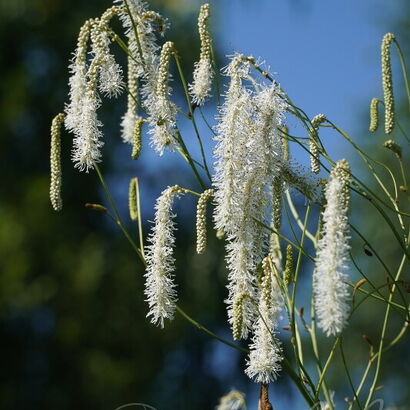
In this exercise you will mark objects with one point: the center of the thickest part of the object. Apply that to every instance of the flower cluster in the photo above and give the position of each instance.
(253, 171)
(201, 220)
(162, 110)
(265, 350)
(331, 293)
(387, 83)
(249, 156)
(314, 141)
(159, 286)
(55, 162)
(374, 115)
(201, 86)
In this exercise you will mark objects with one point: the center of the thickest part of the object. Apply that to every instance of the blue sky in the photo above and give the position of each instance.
(326, 53)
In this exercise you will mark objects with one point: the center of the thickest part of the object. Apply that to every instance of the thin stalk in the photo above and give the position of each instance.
(299, 248)
(117, 214)
(139, 223)
(191, 112)
(296, 216)
(217, 76)
(374, 357)
(295, 330)
(206, 121)
(319, 367)
(403, 174)
(403, 67)
(355, 393)
(286, 365)
(190, 161)
(375, 289)
(326, 366)
(134, 27)
(383, 334)
(208, 332)
(390, 274)
(371, 294)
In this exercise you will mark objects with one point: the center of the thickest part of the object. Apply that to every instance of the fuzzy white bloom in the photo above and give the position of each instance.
(163, 125)
(200, 88)
(78, 79)
(331, 293)
(265, 354)
(141, 26)
(241, 263)
(234, 400)
(81, 112)
(162, 110)
(237, 199)
(130, 118)
(128, 123)
(265, 152)
(159, 286)
(87, 141)
(232, 136)
(111, 82)
(248, 157)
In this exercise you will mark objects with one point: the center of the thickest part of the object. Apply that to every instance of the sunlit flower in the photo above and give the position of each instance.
(266, 354)
(331, 293)
(200, 88)
(159, 286)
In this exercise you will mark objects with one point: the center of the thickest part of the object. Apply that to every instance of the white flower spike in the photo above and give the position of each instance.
(159, 286)
(331, 293)
(200, 88)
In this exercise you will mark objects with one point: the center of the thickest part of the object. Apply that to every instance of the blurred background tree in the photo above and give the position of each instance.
(73, 328)
(72, 316)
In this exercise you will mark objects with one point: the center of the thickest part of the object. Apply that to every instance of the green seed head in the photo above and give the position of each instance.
(387, 83)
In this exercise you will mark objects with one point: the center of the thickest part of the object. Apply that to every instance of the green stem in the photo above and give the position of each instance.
(286, 365)
(326, 366)
(355, 393)
(134, 27)
(117, 214)
(139, 223)
(208, 332)
(217, 77)
(313, 338)
(383, 334)
(191, 112)
(190, 161)
(403, 67)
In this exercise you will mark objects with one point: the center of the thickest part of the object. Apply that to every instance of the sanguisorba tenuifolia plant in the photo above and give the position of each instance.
(254, 178)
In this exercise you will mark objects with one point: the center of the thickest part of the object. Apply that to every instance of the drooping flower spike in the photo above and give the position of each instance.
(55, 162)
(263, 365)
(201, 220)
(162, 110)
(314, 143)
(159, 285)
(331, 293)
(374, 115)
(387, 83)
(200, 88)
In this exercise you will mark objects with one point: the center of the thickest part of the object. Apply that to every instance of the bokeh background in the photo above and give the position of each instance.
(73, 332)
